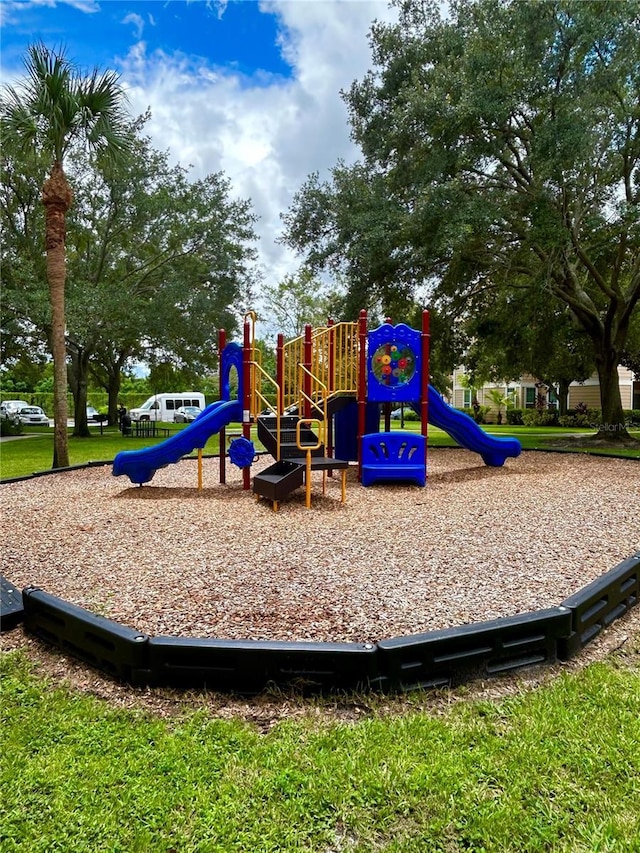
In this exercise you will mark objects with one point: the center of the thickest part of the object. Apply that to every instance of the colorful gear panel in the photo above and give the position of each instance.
(394, 364)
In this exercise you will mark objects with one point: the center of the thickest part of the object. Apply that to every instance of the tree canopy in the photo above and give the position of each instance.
(298, 300)
(156, 264)
(500, 150)
(56, 106)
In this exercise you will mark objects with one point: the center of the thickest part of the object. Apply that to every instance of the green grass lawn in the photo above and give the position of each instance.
(555, 769)
(28, 455)
(25, 456)
(551, 770)
(531, 438)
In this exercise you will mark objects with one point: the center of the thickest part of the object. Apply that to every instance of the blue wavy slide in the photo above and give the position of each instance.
(467, 433)
(140, 465)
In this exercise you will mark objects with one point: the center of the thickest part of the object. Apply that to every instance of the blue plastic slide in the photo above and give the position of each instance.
(467, 433)
(141, 465)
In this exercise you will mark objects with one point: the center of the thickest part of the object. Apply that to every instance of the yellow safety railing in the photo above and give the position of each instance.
(293, 354)
(334, 362)
(308, 447)
(258, 375)
(333, 369)
(319, 398)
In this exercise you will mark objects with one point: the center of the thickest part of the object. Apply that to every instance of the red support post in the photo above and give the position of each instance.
(362, 385)
(386, 408)
(280, 373)
(331, 383)
(246, 398)
(332, 356)
(222, 342)
(424, 391)
(308, 347)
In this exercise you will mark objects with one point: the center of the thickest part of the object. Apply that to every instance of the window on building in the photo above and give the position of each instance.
(530, 398)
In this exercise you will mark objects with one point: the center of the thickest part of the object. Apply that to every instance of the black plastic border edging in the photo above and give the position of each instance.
(11, 605)
(599, 603)
(458, 654)
(79, 467)
(436, 658)
(102, 643)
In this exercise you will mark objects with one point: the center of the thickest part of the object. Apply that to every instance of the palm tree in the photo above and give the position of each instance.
(499, 398)
(53, 108)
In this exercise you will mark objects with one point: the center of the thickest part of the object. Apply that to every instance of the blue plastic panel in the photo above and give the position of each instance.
(394, 364)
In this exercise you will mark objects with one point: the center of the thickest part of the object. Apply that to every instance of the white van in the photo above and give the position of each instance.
(161, 407)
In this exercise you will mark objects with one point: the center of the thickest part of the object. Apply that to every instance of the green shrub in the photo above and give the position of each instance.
(466, 412)
(540, 417)
(514, 417)
(8, 427)
(581, 417)
(411, 415)
(573, 420)
(478, 415)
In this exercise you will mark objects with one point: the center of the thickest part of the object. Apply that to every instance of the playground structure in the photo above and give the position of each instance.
(332, 375)
(323, 409)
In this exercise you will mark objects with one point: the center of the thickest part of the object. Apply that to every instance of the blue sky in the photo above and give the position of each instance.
(238, 35)
(249, 88)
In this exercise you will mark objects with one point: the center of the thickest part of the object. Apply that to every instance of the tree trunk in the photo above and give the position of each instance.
(79, 375)
(113, 388)
(56, 198)
(109, 376)
(613, 425)
(114, 397)
(563, 396)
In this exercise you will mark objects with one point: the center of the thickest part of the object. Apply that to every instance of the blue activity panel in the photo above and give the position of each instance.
(394, 366)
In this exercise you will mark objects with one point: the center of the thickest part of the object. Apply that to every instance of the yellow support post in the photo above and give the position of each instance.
(308, 481)
(309, 447)
(199, 469)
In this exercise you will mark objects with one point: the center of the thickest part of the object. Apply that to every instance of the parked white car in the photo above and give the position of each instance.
(33, 416)
(186, 414)
(10, 410)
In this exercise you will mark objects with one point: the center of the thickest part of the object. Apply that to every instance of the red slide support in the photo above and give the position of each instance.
(424, 385)
(362, 385)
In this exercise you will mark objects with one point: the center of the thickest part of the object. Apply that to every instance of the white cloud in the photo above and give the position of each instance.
(265, 134)
(137, 21)
(88, 6)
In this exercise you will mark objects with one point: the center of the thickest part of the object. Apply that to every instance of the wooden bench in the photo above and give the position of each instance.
(393, 456)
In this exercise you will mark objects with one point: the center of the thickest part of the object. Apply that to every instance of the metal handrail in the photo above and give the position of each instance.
(257, 394)
(308, 448)
(333, 369)
(343, 376)
(315, 384)
(293, 355)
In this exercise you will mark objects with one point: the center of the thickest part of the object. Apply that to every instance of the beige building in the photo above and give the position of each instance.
(525, 391)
